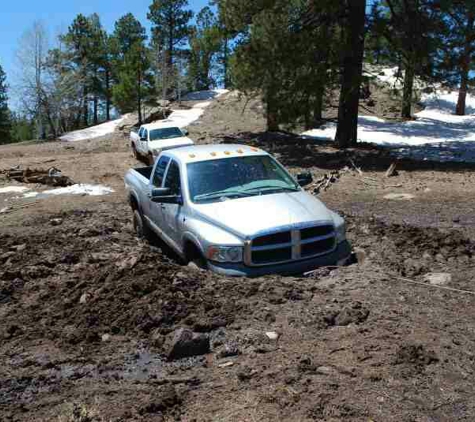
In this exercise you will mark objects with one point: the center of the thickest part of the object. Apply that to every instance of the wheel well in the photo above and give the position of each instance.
(192, 251)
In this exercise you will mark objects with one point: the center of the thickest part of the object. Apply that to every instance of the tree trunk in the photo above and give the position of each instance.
(409, 75)
(108, 95)
(347, 130)
(465, 69)
(225, 60)
(96, 109)
(272, 116)
(85, 111)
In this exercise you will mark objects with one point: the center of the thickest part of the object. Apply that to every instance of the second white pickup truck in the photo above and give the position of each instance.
(150, 140)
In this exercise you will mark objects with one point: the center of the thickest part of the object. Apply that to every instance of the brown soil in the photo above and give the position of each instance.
(87, 310)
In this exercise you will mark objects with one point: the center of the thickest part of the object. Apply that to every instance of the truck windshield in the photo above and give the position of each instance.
(165, 133)
(237, 177)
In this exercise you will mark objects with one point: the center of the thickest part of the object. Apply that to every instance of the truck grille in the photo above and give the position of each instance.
(291, 244)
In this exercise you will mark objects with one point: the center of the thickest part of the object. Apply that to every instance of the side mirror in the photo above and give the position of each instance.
(143, 139)
(185, 132)
(162, 196)
(304, 179)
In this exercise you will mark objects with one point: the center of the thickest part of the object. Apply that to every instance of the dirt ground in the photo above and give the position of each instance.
(87, 311)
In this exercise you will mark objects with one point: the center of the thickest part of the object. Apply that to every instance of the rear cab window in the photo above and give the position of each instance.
(160, 169)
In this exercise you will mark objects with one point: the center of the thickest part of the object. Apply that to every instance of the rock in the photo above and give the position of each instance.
(245, 374)
(230, 349)
(185, 343)
(84, 298)
(105, 337)
(226, 365)
(19, 248)
(438, 279)
(325, 370)
(272, 335)
(56, 221)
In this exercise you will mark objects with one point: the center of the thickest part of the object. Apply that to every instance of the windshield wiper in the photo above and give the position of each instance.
(223, 194)
(274, 188)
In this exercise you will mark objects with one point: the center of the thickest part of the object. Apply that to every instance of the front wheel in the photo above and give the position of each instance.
(140, 227)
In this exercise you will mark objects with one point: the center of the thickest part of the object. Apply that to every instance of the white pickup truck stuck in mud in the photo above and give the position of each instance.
(235, 210)
(149, 140)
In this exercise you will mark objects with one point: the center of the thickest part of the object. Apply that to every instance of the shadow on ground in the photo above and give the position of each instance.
(296, 151)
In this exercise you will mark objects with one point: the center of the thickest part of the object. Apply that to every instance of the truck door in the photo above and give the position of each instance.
(154, 212)
(172, 213)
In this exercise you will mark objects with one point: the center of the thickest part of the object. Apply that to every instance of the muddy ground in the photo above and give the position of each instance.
(88, 312)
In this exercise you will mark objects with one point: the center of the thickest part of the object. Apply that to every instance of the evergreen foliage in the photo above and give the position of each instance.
(5, 117)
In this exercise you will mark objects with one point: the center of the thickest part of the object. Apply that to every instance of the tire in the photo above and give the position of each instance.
(196, 260)
(135, 153)
(140, 226)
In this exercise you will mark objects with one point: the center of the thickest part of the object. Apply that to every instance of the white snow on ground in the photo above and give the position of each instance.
(93, 190)
(180, 118)
(436, 134)
(13, 189)
(183, 118)
(92, 132)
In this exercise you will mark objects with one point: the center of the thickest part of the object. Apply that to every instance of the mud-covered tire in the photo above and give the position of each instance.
(140, 226)
(196, 260)
(135, 153)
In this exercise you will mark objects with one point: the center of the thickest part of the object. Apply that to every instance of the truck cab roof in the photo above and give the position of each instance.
(198, 153)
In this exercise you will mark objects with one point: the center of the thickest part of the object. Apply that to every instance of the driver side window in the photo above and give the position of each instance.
(172, 180)
(160, 171)
(145, 134)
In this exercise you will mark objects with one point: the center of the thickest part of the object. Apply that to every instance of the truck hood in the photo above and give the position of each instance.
(245, 217)
(163, 144)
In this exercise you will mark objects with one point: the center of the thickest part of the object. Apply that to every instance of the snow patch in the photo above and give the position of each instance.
(437, 134)
(92, 132)
(80, 189)
(14, 189)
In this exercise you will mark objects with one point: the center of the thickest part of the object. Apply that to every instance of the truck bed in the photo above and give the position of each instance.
(145, 171)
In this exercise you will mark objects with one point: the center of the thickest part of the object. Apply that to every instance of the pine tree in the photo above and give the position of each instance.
(459, 20)
(353, 35)
(205, 44)
(411, 28)
(170, 31)
(5, 117)
(80, 43)
(132, 69)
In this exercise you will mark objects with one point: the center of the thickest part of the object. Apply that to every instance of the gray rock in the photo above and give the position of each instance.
(438, 279)
(185, 343)
(230, 349)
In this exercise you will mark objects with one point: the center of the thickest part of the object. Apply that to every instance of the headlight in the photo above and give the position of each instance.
(156, 152)
(340, 233)
(225, 253)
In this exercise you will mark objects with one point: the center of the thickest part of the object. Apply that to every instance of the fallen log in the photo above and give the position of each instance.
(50, 177)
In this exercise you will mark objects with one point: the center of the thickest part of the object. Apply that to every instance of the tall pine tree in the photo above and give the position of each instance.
(132, 69)
(170, 30)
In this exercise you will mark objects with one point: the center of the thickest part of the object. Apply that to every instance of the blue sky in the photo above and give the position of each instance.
(19, 15)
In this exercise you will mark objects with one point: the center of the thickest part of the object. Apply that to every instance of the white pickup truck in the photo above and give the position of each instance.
(235, 210)
(149, 140)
